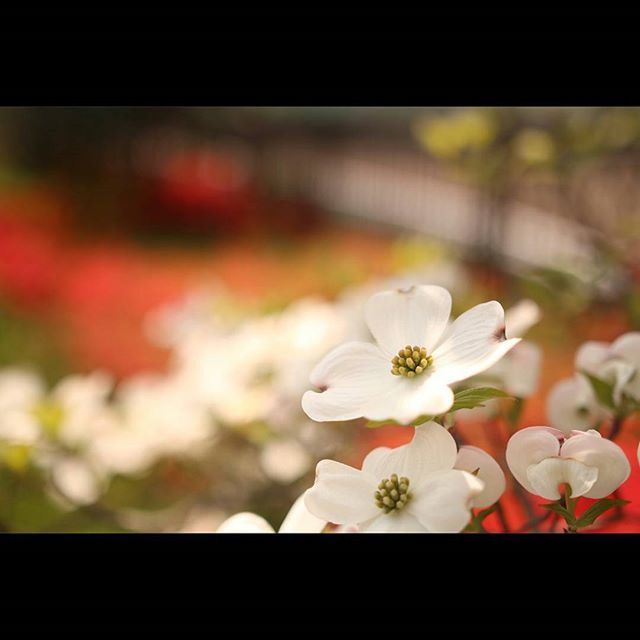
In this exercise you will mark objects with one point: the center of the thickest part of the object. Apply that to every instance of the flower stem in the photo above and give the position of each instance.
(570, 506)
(616, 426)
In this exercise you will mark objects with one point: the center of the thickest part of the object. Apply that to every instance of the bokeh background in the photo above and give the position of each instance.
(168, 277)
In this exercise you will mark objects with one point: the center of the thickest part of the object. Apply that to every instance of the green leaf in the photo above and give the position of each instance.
(596, 510)
(563, 511)
(602, 390)
(471, 398)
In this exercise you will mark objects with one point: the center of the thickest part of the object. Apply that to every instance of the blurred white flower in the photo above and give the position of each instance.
(152, 416)
(487, 470)
(76, 480)
(417, 356)
(412, 488)
(541, 459)
(284, 460)
(298, 520)
(71, 411)
(572, 405)
(521, 317)
(617, 363)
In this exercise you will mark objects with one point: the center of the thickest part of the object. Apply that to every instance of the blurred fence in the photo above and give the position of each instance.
(402, 188)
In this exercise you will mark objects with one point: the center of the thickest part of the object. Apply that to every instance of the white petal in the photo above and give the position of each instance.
(473, 343)
(546, 477)
(528, 447)
(373, 459)
(471, 458)
(443, 501)
(342, 494)
(571, 404)
(431, 450)
(590, 357)
(395, 522)
(595, 451)
(417, 315)
(627, 346)
(407, 399)
(301, 520)
(245, 522)
(351, 374)
(521, 317)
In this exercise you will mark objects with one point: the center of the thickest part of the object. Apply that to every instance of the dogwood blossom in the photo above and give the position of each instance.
(411, 488)
(617, 363)
(542, 458)
(417, 356)
(297, 520)
(572, 405)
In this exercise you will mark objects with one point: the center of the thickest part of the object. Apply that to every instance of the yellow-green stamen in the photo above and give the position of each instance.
(393, 493)
(411, 362)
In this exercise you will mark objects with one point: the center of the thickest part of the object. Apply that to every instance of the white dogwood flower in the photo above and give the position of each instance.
(572, 405)
(412, 488)
(298, 520)
(417, 356)
(541, 459)
(617, 363)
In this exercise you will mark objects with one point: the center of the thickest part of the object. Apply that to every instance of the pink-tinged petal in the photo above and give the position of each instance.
(489, 472)
(521, 317)
(595, 451)
(528, 447)
(350, 376)
(300, 520)
(546, 477)
(342, 494)
(394, 522)
(417, 315)
(245, 523)
(432, 450)
(571, 404)
(442, 503)
(407, 399)
(473, 343)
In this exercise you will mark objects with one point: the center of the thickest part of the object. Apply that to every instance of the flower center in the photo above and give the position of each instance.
(411, 362)
(393, 493)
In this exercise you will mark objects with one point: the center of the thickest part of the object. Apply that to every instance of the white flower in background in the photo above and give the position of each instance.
(298, 520)
(518, 372)
(231, 374)
(417, 356)
(521, 317)
(541, 459)
(72, 411)
(72, 477)
(412, 488)
(153, 416)
(487, 470)
(284, 460)
(572, 405)
(617, 363)
(20, 390)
